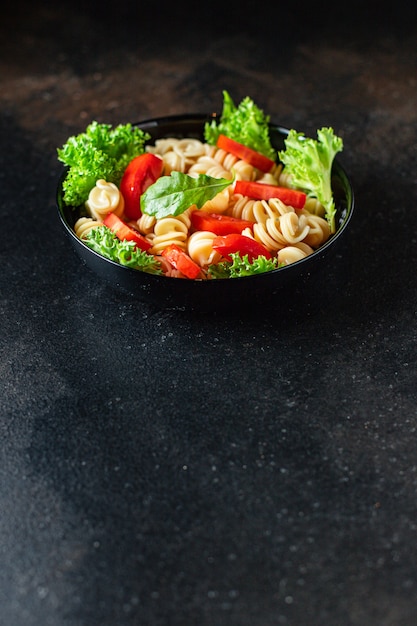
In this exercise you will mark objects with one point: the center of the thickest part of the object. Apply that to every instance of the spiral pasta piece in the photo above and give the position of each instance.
(294, 228)
(296, 252)
(276, 207)
(319, 230)
(262, 211)
(273, 241)
(210, 150)
(210, 166)
(169, 230)
(166, 231)
(284, 179)
(83, 226)
(200, 248)
(218, 204)
(225, 158)
(145, 223)
(276, 171)
(104, 198)
(173, 162)
(191, 148)
(268, 179)
(178, 154)
(185, 217)
(244, 171)
(162, 146)
(278, 225)
(315, 207)
(241, 207)
(261, 214)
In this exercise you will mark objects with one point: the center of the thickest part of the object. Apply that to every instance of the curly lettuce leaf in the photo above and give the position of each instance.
(241, 266)
(106, 243)
(99, 152)
(173, 194)
(245, 123)
(309, 164)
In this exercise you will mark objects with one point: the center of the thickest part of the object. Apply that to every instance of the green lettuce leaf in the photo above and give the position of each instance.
(99, 152)
(106, 243)
(241, 266)
(245, 123)
(309, 164)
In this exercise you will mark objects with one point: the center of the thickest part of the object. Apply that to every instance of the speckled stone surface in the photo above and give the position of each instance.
(161, 467)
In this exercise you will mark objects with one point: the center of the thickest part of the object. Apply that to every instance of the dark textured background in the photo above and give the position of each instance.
(169, 468)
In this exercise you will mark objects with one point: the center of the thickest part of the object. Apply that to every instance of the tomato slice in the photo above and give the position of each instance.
(181, 261)
(263, 191)
(123, 231)
(141, 172)
(227, 244)
(217, 223)
(258, 160)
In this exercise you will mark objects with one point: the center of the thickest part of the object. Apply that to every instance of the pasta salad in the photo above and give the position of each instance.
(225, 206)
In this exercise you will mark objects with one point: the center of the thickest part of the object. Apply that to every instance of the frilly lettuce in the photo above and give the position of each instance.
(309, 165)
(102, 240)
(101, 152)
(246, 124)
(241, 266)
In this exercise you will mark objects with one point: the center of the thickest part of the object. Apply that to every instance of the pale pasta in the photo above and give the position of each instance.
(145, 224)
(242, 207)
(83, 226)
(287, 234)
(319, 230)
(225, 158)
(313, 206)
(168, 230)
(244, 171)
(220, 203)
(277, 226)
(104, 198)
(200, 248)
(178, 154)
(211, 166)
(291, 254)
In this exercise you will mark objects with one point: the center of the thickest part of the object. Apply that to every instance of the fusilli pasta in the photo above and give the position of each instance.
(104, 198)
(169, 230)
(200, 248)
(83, 226)
(286, 233)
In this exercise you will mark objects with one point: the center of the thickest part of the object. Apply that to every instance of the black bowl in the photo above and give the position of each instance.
(231, 293)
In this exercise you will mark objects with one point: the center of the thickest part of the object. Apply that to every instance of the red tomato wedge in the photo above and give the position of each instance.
(181, 261)
(263, 191)
(217, 223)
(123, 231)
(141, 172)
(227, 244)
(258, 160)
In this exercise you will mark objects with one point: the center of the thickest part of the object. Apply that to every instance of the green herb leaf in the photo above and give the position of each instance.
(99, 152)
(245, 123)
(241, 266)
(106, 243)
(309, 163)
(172, 195)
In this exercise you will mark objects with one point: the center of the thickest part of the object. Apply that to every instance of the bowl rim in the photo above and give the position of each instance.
(153, 123)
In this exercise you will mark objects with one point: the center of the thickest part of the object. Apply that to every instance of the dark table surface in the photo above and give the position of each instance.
(162, 467)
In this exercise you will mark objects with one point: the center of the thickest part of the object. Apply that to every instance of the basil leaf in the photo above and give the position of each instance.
(172, 195)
